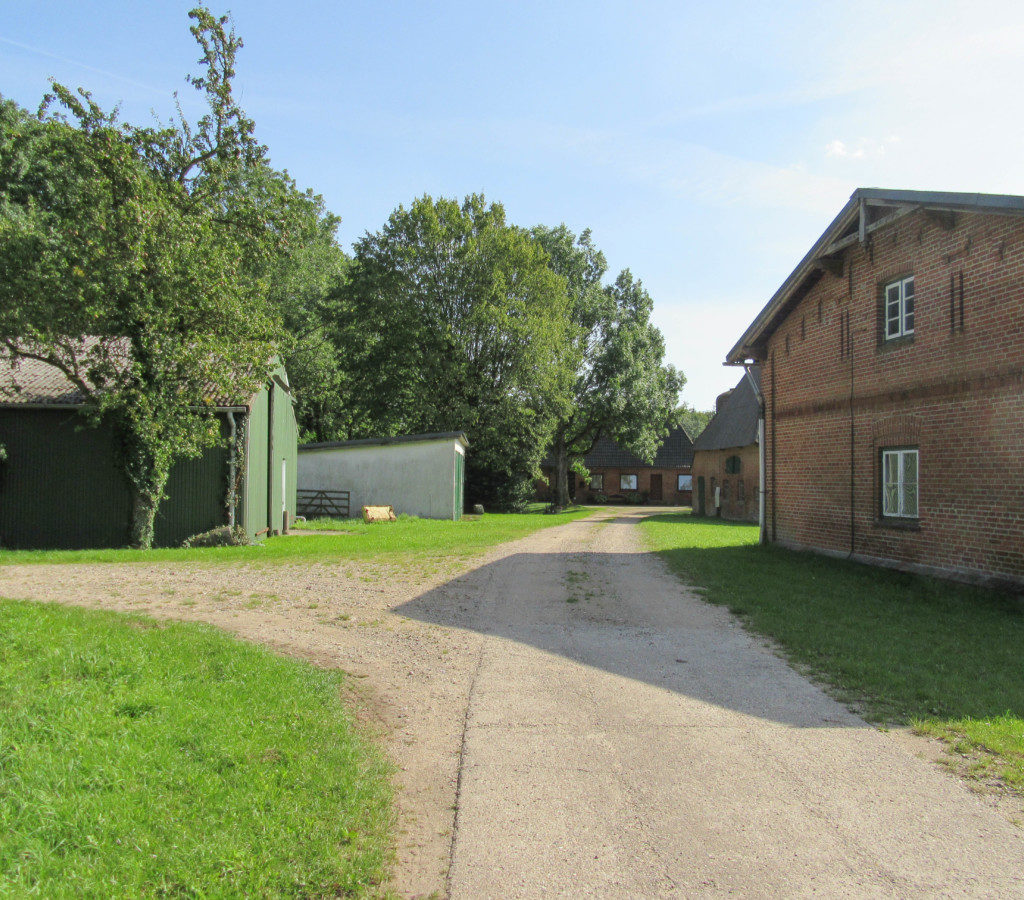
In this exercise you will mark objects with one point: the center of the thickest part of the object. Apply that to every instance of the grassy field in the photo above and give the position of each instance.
(408, 538)
(140, 759)
(904, 649)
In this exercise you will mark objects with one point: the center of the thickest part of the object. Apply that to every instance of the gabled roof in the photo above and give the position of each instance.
(675, 452)
(735, 424)
(29, 382)
(867, 210)
(459, 436)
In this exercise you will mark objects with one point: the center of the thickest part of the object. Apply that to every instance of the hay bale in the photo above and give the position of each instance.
(379, 514)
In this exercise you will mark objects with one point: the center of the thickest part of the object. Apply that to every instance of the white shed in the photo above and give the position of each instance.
(418, 474)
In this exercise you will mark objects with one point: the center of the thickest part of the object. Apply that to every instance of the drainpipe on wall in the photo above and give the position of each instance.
(762, 534)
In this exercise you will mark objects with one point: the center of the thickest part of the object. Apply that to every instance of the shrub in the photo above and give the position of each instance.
(225, 536)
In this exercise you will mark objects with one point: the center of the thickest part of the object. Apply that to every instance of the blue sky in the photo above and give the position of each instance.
(706, 144)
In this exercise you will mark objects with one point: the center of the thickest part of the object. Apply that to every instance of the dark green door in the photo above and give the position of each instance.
(700, 495)
(460, 484)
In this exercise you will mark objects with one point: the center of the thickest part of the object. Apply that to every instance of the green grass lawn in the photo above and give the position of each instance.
(904, 649)
(141, 759)
(407, 539)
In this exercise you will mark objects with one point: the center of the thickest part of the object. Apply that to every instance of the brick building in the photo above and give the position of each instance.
(893, 378)
(616, 473)
(726, 455)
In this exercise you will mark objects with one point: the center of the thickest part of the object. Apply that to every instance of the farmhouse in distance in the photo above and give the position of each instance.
(726, 455)
(617, 474)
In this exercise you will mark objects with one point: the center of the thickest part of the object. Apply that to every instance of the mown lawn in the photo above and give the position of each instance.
(146, 759)
(408, 538)
(904, 649)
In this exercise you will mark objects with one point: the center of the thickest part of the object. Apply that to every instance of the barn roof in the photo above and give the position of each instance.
(867, 211)
(735, 423)
(27, 382)
(675, 452)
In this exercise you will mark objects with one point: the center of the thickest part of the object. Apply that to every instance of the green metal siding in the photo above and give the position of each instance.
(255, 511)
(196, 498)
(460, 485)
(286, 450)
(60, 485)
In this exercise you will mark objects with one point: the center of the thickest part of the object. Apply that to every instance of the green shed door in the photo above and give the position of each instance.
(460, 484)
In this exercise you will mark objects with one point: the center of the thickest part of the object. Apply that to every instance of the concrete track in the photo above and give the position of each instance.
(624, 739)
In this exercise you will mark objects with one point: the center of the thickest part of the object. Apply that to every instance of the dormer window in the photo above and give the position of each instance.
(899, 308)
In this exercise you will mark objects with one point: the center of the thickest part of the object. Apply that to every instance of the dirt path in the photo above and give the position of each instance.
(569, 721)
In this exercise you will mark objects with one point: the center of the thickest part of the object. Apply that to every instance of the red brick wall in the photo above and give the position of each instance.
(837, 393)
(670, 496)
(739, 490)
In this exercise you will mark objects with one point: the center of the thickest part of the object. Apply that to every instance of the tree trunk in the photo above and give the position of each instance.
(561, 472)
(148, 480)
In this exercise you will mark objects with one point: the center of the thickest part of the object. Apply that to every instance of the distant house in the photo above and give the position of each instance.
(616, 473)
(418, 474)
(61, 485)
(726, 460)
(893, 375)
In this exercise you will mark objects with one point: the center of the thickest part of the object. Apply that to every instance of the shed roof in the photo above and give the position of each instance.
(384, 441)
(867, 210)
(675, 452)
(31, 382)
(735, 424)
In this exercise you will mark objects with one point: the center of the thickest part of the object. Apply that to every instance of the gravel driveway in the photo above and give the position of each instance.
(568, 720)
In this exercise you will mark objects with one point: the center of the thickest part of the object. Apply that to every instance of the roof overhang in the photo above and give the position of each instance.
(458, 437)
(867, 211)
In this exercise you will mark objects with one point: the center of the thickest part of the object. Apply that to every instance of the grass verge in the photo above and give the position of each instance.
(408, 537)
(904, 649)
(141, 759)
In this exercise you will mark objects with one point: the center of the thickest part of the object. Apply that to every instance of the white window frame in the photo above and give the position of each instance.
(597, 481)
(898, 308)
(684, 486)
(896, 498)
(624, 486)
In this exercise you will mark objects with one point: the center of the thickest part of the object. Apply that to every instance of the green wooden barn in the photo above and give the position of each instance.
(61, 486)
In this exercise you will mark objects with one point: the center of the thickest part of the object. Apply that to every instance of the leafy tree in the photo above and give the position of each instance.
(693, 420)
(621, 386)
(454, 321)
(138, 262)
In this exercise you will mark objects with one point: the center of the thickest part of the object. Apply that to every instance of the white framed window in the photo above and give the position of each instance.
(597, 482)
(899, 483)
(627, 482)
(899, 308)
(684, 482)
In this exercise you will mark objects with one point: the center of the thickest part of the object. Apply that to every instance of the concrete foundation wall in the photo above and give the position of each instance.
(417, 479)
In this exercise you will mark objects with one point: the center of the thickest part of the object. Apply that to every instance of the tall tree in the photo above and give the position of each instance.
(138, 262)
(694, 420)
(621, 386)
(454, 321)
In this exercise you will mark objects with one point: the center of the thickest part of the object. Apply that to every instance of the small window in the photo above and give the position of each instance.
(725, 490)
(899, 308)
(899, 484)
(597, 482)
(732, 465)
(684, 482)
(741, 493)
(627, 482)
